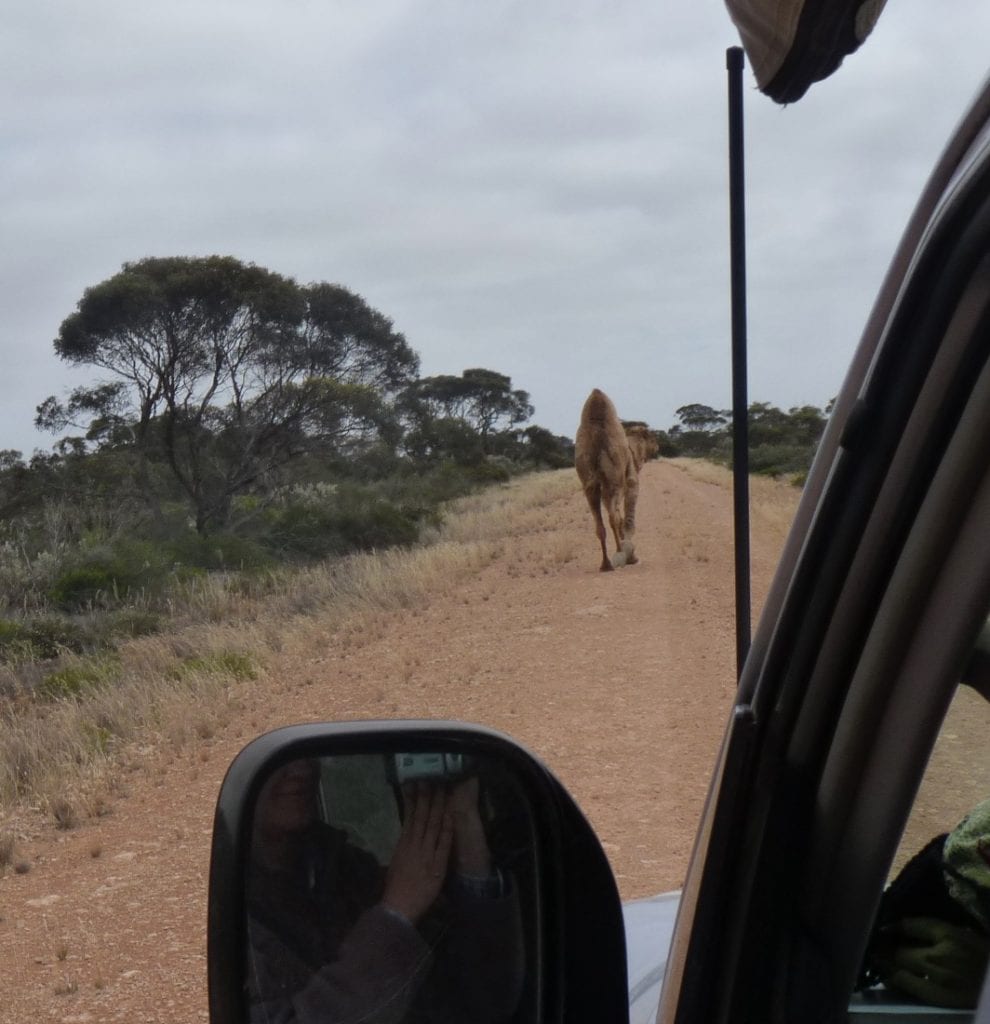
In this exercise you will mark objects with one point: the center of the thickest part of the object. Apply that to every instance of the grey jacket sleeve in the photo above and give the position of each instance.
(380, 966)
(480, 960)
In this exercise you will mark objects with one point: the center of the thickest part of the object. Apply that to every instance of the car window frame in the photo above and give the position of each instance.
(729, 907)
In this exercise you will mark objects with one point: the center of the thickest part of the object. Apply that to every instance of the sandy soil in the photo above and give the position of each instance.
(620, 681)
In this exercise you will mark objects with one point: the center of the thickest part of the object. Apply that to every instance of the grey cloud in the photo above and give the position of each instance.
(529, 187)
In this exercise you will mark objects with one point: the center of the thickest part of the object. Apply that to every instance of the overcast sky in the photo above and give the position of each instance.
(535, 188)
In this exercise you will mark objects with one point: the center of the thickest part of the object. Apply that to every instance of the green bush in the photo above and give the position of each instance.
(14, 643)
(381, 525)
(38, 639)
(102, 630)
(235, 664)
(74, 680)
(780, 459)
(304, 530)
(98, 737)
(218, 551)
(489, 472)
(345, 520)
(105, 576)
(109, 577)
(423, 493)
(132, 622)
(83, 587)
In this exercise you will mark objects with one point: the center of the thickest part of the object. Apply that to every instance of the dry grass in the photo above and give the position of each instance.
(7, 848)
(772, 500)
(65, 813)
(517, 508)
(170, 691)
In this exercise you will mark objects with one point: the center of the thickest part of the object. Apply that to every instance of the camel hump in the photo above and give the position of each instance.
(598, 406)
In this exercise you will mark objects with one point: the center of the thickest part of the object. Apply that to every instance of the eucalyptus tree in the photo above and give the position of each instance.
(483, 400)
(225, 372)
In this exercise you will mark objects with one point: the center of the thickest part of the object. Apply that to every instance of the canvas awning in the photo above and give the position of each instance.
(792, 44)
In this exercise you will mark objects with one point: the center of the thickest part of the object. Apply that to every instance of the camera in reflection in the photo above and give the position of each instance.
(433, 767)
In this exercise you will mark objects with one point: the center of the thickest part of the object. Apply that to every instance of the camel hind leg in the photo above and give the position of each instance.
(594, 496)
(632, 496)
(615, 518)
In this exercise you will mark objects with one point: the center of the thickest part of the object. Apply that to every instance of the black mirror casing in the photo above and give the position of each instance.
(581, 967)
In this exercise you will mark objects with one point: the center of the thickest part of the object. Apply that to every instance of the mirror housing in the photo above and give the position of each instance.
(580, 964)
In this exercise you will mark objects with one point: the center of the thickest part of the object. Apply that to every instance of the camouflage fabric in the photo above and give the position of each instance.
(966, 863)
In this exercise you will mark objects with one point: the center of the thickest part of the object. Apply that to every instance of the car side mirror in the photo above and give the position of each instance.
(386, 871)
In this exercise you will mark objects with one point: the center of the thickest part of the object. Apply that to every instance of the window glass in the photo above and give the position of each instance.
(930, 944)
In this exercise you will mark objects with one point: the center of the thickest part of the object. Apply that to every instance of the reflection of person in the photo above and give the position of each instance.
(332, 937)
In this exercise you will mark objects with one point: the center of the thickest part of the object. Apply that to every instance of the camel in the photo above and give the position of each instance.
(608, 457)
(642, 441)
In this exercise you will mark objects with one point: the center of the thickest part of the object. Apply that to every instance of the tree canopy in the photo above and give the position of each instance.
(225, 371)
(779, 441)
(482, 400)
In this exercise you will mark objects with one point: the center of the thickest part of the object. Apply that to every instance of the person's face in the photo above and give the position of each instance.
(287, 802)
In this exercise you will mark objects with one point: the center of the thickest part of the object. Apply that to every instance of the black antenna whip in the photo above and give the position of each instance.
(740, 401)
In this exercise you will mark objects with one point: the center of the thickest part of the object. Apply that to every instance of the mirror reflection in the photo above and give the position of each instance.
(389, 888)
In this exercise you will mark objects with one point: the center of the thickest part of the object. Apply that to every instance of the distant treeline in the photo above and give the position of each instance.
(243, 421)
(780, 443)
(240, 421)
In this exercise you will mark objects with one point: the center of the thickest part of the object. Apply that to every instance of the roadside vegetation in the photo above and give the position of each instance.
(252, 455)
(248, 452)
(781, 444)
(81, 691)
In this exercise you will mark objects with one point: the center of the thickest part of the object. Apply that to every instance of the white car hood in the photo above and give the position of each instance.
(649, 926)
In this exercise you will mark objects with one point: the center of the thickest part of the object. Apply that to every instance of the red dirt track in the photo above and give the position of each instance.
(620, 681)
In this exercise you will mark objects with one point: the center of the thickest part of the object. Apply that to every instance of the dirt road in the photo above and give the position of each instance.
(620, 681)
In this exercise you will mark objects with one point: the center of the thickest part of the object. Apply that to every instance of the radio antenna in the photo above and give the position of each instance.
(740, 400)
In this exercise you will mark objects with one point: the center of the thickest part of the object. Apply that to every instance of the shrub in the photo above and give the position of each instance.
(38, 639)
(305, 530)
(780, 459)
(98, 737)
(81, 587)
(51, 637)
(380, 525)
(132, 622)
(25, 577)
(421, 495)
(102, 630)
(105, 576)
(348, 519)
(14, 644)
(235, 664)
(74, 680)
(6, 851)
(489, 472)
(65, 814)
(218, 551)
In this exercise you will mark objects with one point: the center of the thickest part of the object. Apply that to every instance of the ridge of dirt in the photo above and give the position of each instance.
(621, 682)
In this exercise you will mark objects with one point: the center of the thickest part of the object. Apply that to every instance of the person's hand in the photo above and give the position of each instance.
(416, 873)
(941, 964)
(472, 856)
